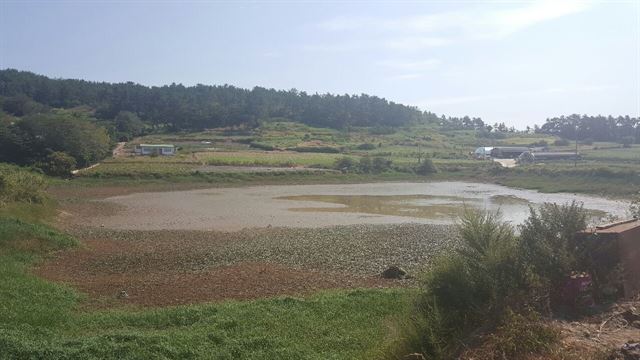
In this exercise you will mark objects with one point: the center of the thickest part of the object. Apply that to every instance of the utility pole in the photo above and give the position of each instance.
(575, 156)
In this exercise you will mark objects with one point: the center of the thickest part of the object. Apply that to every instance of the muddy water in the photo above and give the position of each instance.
(420, 206)
(232, 209)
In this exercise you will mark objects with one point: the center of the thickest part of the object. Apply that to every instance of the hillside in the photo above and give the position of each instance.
(202, 106)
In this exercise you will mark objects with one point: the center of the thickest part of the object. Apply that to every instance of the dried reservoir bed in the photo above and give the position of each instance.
(232, 209)
(160, 268)
(183, 247)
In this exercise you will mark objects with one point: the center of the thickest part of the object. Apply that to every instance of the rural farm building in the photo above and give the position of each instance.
(482, 153)
(547, 156)
(511, 152)
(155, 149)
(617, 247)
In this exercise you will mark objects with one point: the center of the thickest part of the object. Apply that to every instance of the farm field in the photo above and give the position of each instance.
(286, 152)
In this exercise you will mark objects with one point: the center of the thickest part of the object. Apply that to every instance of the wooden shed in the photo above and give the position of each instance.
(618, 247)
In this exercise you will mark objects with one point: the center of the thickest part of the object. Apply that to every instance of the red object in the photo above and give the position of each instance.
(576, 292)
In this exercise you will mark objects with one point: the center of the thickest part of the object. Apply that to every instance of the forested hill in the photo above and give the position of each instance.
(181, 107)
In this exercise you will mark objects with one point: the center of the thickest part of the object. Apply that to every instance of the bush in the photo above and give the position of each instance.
(366, 146)
(20, 185)
(426, 167)
(345, 164)
(627, 141)
(364, 166)
(495, 275)
(468, 289)
(548, 242)
(59, 164)
(561, 142)
(517, 337)
(261, 146)
(380, 165)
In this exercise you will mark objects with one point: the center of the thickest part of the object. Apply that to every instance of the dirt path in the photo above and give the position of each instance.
(608, 330)
(74, 172)
(119, 149)
(508, 163)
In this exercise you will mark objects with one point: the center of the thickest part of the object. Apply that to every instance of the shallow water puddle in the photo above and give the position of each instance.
(421, 206)
(231, 209)
(433, 207)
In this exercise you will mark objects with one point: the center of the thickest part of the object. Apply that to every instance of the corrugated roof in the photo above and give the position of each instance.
(615, 228)
(156, 145)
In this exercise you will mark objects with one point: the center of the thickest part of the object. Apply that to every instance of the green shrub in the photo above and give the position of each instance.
(58, 163)
(468, 289)
(493, 273)
(380, 165)
(261, 146)
(548, 242)
(366, 146)
(426, 167)
(364, 166)
(517, 337)
(21, 185)
(345, 164)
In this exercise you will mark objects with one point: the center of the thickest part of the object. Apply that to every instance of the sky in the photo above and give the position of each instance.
(517, 62)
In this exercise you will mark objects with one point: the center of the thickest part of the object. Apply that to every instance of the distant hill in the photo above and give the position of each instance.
(203, 106)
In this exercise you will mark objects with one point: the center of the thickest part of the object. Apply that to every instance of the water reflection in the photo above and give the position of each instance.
(434, 207)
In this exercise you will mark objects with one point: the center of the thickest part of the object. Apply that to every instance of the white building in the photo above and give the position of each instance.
(155, 149)
(483, 152)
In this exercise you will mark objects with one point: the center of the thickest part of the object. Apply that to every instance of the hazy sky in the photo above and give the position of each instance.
(516, 62)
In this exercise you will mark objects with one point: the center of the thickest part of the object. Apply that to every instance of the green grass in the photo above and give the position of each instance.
(614, 154)
(331, 325)
(270, 158)
(26, 301)
(140, 169)
(592, 178)
(43, 320)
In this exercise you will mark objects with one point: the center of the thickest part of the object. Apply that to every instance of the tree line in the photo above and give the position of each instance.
(621, 129)
(179, 107)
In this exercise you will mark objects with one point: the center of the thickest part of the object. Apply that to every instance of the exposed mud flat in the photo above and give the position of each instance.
(232, 209)
(160, 268)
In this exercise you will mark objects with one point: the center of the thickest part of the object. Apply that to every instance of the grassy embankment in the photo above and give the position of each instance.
(39, 319)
